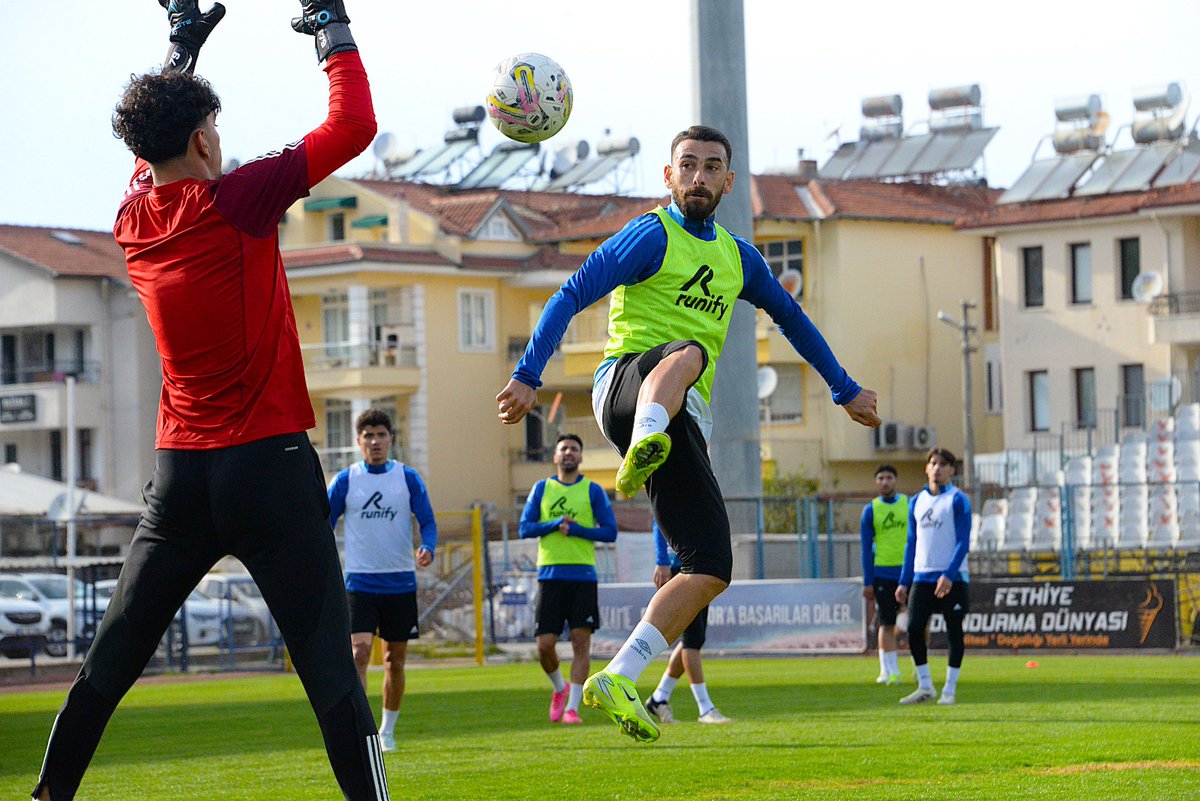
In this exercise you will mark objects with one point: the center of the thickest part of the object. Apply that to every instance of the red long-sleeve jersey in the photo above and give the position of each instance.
(204, 259)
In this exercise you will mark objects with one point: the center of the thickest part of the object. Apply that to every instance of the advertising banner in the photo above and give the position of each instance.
(784, 616)
(1116, 613)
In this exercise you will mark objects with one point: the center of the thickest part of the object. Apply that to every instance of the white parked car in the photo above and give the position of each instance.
(23, 627)
(206, 618)
(239, 590)
(49, 590)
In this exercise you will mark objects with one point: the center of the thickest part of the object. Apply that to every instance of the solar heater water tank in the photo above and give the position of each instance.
(1150, 98)
(464, 115)
(960, 119)
(882, 106)
(1084, 107)
(628, 145)
(877, 131)
(955, 96)
(1072, 140)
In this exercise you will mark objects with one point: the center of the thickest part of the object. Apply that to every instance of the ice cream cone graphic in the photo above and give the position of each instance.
(1148, 611)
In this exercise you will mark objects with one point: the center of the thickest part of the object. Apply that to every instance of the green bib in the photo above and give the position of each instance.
(574, 500)
(891, 530)
(690, 297)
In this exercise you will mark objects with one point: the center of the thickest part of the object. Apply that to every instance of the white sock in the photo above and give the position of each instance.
(574, 698)
(883, 662)
(645, 643)
(649, 419)
(951, 681)
(700, 691)
(924, 677)
(389, 721)
(666, 686)
(557, 680)
(893, 663)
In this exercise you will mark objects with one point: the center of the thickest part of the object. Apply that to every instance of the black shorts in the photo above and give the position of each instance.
(885, 601)
(392, 616)
(697, 631)
(573, 603)
(922, 604)
(683, 493)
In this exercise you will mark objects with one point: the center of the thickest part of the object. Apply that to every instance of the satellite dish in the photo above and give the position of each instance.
(792, 281)
(768, 380)
(384, 147)
(1147, 286)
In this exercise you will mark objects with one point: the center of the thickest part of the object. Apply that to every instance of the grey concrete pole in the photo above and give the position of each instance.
(719, 100)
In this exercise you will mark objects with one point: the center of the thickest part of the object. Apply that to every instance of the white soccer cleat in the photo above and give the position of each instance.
(660, 710)
(919, 696)
(947, 699)
(881, 678)
(714, 716)
(387, 742)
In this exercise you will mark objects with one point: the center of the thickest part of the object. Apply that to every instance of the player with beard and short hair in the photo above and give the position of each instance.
(674, 275)
(568, 514)
(883, 529)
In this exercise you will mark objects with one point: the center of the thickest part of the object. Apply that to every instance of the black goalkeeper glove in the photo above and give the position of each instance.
(189, 32)
(325, 20)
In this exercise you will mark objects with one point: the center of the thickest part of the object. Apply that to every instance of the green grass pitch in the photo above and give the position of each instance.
(1077, 727)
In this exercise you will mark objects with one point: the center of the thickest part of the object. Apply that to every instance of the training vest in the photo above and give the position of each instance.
(891, 530)
(690, 297)
(575, 500)
(378, 522)
(936, 535)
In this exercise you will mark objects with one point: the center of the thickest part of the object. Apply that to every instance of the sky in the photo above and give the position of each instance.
(808, 67)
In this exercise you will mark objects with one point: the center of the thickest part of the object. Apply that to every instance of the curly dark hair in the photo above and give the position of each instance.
(159, 111)
(373, 417)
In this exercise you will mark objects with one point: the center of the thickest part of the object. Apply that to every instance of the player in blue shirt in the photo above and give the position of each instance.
(934, 577)
(379, 498)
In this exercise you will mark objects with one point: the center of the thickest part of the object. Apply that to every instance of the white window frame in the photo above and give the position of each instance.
(473, 336)
(498, 228)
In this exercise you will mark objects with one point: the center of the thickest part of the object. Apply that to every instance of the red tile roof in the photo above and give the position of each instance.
(778, 197)
(97, 255)
(1082, 207)
(341, 254)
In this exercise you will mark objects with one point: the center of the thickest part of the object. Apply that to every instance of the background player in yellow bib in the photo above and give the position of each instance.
(884, 531)
(674, 275)
(569, 514)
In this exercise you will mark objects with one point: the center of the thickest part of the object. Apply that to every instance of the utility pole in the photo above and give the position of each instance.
(966, 330)
(719, 100)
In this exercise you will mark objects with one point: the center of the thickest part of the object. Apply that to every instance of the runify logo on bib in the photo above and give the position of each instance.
(929, 521)
(560, 509)
(705, 302)
(373, 509)
(892, 520)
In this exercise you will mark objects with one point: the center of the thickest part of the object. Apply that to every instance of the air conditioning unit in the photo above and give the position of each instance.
(887, 437)
(921, 438)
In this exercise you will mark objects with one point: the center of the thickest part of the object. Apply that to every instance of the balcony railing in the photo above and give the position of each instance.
(51, 372)
(1176, 303)
(355, 355)
(588, 327)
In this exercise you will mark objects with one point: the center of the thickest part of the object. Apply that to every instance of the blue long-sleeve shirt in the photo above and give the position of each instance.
(962, 541)
(422, 510)
(636, 253)
(866, 533)
(533, 526)
(663, 555)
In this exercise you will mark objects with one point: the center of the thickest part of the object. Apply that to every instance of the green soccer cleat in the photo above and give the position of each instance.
(643, 458)
(616, 696)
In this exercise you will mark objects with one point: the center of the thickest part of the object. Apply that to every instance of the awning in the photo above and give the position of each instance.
(27, 495)
(374, 221)
(327, 203)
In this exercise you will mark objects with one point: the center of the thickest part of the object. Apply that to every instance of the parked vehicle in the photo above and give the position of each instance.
(239, 590)
(49, 590)
(207, 618)
(23, 627)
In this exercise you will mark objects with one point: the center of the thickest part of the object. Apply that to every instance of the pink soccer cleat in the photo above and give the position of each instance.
(558, 702)
(571, 717)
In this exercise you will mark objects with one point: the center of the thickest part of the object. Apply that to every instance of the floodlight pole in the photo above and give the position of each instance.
(719, 100)
(966, 330)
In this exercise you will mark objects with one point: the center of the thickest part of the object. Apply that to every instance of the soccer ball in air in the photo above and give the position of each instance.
(530, 97)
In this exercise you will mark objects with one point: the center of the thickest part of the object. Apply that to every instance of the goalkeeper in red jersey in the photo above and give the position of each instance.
(234, 470)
